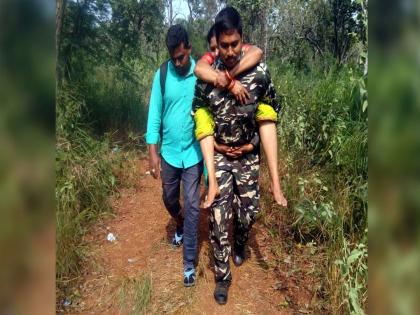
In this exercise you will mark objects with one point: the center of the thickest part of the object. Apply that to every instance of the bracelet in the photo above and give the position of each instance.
(229, 76)
(231, 85)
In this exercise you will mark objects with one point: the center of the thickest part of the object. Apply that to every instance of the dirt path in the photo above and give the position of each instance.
(143, 229)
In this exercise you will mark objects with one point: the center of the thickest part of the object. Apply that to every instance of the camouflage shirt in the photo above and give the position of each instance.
(235, 123)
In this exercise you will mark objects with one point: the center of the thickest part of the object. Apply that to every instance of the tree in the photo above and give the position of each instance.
(324, 28)
(60, 9)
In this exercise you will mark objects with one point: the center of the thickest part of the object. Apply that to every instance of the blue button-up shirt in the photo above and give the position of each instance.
(179, 146)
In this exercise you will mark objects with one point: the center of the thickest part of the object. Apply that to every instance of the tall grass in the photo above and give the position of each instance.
(100, 117)
(323, 143)
(135, 294)
(84, 180)
(116, 98)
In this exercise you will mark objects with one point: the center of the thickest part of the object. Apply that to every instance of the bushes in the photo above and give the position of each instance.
(116, 98)
(327, 146)
(84, 180)
(353, 272)
(105, 101)
(323, 142)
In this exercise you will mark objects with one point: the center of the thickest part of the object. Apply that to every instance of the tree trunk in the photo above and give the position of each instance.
(60, 9)
(335, 21)
(263, 32)
(190, 19)
(171, 12)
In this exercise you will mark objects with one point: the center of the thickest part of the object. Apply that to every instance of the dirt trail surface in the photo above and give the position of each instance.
(143, 229)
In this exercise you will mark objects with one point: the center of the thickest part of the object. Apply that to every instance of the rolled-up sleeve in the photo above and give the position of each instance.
(255, 141)
(269, 95)
(200, 98)
(154, 118)
(203, 118)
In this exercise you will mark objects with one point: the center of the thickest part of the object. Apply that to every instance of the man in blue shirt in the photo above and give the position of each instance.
(170, 123)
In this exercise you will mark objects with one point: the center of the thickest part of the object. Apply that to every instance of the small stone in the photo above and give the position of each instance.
(111, 238)
(66, 302)
(280, 286)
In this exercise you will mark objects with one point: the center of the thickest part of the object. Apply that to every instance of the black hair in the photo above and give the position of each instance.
(176, 35)
(227, 19)
(211, 34)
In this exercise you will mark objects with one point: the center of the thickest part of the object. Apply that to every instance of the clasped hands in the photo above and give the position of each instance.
(233, 152)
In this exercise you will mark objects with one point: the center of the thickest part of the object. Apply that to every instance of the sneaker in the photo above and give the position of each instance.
(189, 277)
(177, 240)
(221, 292)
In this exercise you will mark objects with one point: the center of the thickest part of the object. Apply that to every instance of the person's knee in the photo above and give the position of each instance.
(223, 200)
(171, 202)
(192, 200)
(246, 221)
(221, 255)
(219, 237)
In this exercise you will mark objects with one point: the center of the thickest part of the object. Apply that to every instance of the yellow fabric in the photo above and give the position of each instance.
(204, 123)
(265, 112)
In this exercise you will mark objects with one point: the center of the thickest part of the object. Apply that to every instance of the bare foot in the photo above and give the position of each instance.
(278, 195)
(212, 192)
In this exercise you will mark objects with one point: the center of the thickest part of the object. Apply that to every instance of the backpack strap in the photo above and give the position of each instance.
(163, 72)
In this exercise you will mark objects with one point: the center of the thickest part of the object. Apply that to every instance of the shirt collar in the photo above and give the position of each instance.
(191, 72)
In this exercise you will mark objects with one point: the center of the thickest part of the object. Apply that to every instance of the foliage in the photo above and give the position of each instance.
(135, 294)
(323, 140)
(300, 31)
(353, 267)
(114, 99)
(322, 120)
(315, 212)
(83, 182)
(110, 49)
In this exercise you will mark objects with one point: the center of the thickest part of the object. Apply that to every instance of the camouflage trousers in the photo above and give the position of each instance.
(239, 199)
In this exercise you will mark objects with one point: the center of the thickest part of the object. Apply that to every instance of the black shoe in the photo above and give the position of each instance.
(238, 255)
(221, 292)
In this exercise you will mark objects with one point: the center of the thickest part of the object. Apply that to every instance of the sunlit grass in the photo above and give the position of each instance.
(135, 294)
(323, 150)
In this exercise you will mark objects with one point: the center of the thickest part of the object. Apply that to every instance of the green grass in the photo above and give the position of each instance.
(135, 294)
(323, 148)
(88, 172)
(84, 180)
